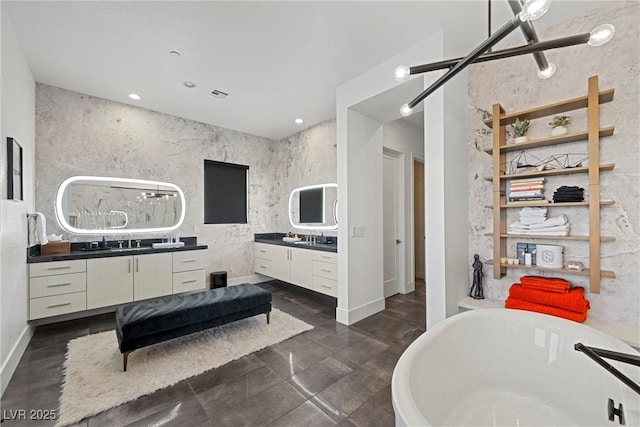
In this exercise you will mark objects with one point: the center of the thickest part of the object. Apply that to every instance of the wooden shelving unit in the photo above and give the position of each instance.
(551, 205)
(592, 135)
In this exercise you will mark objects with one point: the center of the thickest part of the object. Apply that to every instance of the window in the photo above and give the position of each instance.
(225, 193)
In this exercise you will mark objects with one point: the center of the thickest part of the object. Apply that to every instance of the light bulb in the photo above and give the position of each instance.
(401, 73)
(405, 110)
(534, 9)
(601, 35)
(299, 121)
(134, 96)
(547, 72)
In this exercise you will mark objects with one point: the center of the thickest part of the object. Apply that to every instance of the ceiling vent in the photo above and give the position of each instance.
(219, 94)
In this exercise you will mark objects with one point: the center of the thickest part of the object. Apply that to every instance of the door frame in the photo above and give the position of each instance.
(400, 228)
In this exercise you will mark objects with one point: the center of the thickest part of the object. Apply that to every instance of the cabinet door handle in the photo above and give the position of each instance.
(325, 286)
(189, 281)
(325, 257)
(59, 268)
(189, 260)
(137, 265)
(59, 305)
(263, 251)
(129, 265)
(326, 270)
(59, 284)
(262, 266)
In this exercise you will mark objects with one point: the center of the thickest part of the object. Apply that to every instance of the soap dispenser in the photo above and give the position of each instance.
(103, 244)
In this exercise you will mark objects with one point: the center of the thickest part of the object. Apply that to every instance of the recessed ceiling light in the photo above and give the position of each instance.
(134, 96)
(175, 53)
(189, 84)
(299, 121)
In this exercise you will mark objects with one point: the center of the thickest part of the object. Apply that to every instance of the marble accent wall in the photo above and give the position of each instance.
(77, 134)
(513, 84)
(311, 159)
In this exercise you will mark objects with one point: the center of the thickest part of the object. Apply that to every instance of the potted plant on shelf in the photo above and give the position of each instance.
(520, 128)
(559, 125)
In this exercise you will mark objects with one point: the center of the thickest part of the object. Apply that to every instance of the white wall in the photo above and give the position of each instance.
(17, 121)
(360, 275)
(407, 139)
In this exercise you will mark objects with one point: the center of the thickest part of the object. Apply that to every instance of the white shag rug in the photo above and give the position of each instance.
(94, 380)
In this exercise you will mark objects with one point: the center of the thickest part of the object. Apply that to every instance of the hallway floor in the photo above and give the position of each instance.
(331, 375)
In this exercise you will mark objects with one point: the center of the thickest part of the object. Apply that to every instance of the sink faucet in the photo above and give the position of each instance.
(129, 235)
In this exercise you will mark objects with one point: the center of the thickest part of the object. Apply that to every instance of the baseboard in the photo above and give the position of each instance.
(408, 288)
(10, 365)
(349, 317)
(420, 276)
(252, 278)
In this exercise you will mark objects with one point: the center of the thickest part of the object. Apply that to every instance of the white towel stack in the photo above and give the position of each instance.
(534, 222)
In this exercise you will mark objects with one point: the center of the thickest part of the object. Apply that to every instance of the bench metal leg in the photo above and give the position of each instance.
(125, 357)
(268, 317)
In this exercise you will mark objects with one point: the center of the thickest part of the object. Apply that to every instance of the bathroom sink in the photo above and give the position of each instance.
(302, 242)
(167, 245)
(130, 249)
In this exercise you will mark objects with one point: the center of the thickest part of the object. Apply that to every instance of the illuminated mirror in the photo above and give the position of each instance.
(106, 205)
(314, 207)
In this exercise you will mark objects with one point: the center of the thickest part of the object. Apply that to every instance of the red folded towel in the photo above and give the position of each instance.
(573, 300)
(551, 284)
(545, 309)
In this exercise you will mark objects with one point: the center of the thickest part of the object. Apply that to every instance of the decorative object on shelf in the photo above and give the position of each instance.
(525, 162)
(549, 256)
(476, 291)
(524, 13)
(559, 125)
(568, 194)
(575, 265)
(14, 170)
(520, 128)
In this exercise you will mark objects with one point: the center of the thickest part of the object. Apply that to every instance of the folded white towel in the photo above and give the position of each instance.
(550, 222)
(541, 233)
(516, 227)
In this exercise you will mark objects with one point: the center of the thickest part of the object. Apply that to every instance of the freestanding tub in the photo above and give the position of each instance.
(510, 368)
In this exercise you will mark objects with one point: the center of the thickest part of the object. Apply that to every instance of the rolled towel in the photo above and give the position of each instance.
(41, 228)
(573, 300)
(551, 284)
(518, 304)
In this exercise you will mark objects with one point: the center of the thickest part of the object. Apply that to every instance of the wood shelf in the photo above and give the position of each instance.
(533, 236)
(603, 273)
(553, 140)
(565, 171)
(552, 109)
(550, 205)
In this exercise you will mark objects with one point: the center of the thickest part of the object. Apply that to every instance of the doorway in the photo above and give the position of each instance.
(418, 217)
(392, 225)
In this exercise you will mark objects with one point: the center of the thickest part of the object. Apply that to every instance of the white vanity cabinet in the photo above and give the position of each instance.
(311, 269)
(152, 275)
(56, 288)
(109, 281)
(188, 271)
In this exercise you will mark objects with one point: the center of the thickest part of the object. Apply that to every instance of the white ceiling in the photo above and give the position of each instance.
(277, 60)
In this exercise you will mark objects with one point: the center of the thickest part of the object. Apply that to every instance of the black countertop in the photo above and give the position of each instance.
(79, 251)
(326, 244)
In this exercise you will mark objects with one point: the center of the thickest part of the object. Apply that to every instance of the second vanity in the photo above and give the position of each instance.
(311, 266)
(87, 280)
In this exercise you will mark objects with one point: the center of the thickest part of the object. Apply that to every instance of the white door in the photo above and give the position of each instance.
(390, 238)
(109, 281)
(152, 275)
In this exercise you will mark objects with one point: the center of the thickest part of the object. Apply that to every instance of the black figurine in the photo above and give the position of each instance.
(476, 291)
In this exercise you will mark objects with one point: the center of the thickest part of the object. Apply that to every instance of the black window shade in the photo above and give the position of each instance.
(225, 193)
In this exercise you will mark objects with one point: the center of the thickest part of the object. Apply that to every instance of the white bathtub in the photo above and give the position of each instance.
(510, 368)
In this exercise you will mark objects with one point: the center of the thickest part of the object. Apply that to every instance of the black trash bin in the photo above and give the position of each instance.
(218, 279)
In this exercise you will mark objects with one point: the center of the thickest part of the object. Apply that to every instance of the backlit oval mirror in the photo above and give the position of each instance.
(314, 207)
(107, 205)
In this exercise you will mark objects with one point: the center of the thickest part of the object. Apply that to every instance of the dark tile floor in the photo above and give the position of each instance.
(331, 375)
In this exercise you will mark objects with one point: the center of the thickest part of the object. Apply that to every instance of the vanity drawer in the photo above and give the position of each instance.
(59, 284)
(57, 304)
(325, 269)
(265, 251)
(188, 260)
(323, 256)
(57, 267)
(325, 286)
(266, 267)
(188, 281)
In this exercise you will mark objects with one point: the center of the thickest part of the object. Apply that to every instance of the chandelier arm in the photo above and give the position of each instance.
(530, 35)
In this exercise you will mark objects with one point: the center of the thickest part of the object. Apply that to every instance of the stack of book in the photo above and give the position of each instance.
(526, 190)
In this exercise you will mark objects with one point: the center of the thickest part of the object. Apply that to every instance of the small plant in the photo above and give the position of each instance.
(561, 120)
(520, 127)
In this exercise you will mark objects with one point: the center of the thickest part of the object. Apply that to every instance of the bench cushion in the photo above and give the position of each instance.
(190, 312)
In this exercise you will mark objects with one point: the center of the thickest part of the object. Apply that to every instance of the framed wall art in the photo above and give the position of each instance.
(14, 170)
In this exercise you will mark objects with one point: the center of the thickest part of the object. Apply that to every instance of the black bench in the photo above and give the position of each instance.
(150, 322)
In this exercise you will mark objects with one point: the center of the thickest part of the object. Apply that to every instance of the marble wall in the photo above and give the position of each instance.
(513, 84)
(77, 134)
